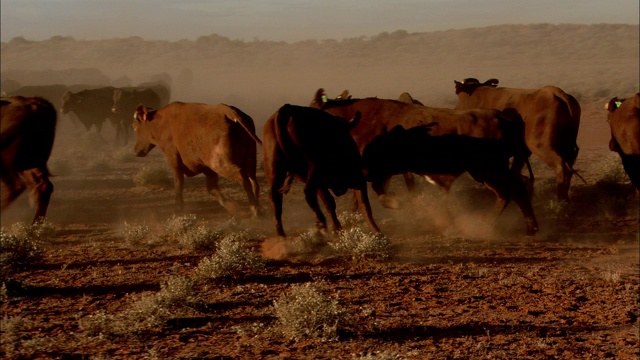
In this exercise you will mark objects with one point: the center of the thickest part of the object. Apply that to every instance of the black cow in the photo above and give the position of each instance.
(316, 148)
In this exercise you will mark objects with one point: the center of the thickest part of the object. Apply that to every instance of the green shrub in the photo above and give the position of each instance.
(232, 258)
(152, 176)
(306, 312)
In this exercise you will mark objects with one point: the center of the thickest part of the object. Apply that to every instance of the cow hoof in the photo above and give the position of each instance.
(389, 202)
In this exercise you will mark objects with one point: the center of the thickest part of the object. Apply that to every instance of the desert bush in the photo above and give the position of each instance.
(305, 311)
(232, 258)
(23, 243)
(201, 238)
(146, 312)
(384, 355)
(356, 243)
(309, 241)
(11, 339)
(178, 225)
(135, 234)
(152, 176)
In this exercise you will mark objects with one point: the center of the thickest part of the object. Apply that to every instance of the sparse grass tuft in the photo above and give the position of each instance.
(358, 244)
(146, 312)
(22, 244)
(611, 275)
(178, 225)
(306, 312)
(231, 258)
(135, 234)
(11, 339)
(384, 355)
(201, 238)
(152, 176)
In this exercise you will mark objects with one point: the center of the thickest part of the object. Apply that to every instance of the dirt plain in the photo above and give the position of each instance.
(466, 286)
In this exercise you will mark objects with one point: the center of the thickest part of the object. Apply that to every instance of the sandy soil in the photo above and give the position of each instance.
(457, 288)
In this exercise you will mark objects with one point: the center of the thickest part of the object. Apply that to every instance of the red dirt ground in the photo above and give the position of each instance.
(463, 289)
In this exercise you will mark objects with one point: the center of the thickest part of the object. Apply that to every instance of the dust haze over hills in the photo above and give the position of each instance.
(593, 62)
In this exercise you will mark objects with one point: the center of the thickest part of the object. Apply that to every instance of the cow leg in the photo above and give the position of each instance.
(562, 171)
(409, 181)
(276, 199)
(12, 186)
(365, 207)
(252, 189)
(380, 188)
(311, 196)
(212, 186)
(41, 190)
(178, 183)
(330, 204)
(507, 185)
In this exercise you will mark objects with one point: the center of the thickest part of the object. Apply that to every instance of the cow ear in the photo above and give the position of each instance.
(320, 98)
(611, 106)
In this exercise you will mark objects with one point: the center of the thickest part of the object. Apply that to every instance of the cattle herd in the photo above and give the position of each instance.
(333, 145)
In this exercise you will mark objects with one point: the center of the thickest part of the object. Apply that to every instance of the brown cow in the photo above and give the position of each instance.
(380, 116)
(551, 117)
(27, 131)
(317, 148)
(625, 134)
(202, 139)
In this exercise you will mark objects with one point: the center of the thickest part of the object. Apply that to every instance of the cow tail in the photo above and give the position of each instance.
(531, 179)
(241, 118)
(284, 142)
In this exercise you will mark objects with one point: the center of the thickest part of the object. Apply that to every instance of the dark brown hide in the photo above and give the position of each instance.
(625, 134)
(28, 126)
(316, 148)
(380, 116)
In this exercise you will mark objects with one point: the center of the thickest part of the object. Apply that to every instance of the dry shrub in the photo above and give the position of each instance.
(22, 244)
(201, 238)
(306, 312)
(232, 258)
(178, 225)
(146, 312)
(356, 243)
(135, 234)
(151, 176)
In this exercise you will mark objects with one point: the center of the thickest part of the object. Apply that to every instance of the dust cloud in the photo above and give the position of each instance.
(592, 62)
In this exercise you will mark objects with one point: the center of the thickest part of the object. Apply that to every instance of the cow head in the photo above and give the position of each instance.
(469, 85)
(142, 126)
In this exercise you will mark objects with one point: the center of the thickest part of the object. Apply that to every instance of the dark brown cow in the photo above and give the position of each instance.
(202, 139)
(624, 121)
(380, 116)
(551, 117)
(316, 148)
(126, 101)
(27, 131)
(93, 108)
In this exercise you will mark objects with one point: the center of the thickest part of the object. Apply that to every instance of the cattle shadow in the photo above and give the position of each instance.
(473, 329)
(17, 289)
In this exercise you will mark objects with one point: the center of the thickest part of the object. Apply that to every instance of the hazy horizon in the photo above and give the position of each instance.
(288, 20)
